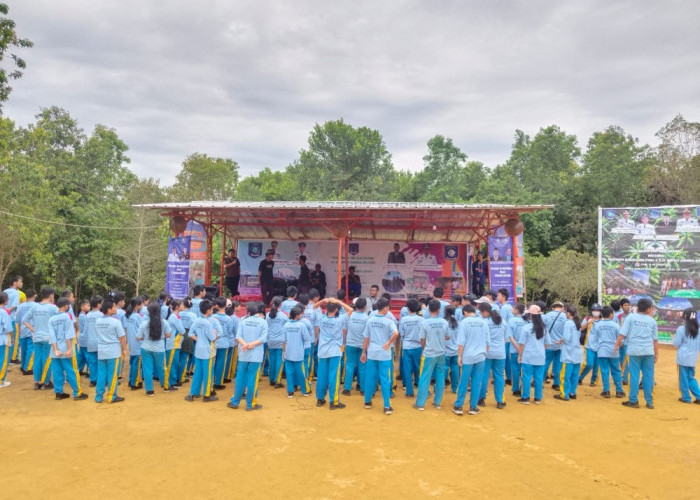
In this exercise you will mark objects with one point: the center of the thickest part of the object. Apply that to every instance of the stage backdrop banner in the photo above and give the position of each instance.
(178, 267)
(416, 268)
(198, 252)
(651, 252)
(501, 264)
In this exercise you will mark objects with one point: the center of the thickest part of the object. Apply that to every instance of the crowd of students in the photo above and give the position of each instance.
(461, 344)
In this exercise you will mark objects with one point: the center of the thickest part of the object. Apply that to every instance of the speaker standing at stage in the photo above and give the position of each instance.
(232, 267)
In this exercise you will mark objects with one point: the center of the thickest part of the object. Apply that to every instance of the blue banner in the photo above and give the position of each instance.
(178, 267)
(501, 265)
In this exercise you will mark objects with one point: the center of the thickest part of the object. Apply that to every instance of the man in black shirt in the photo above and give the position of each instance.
(318, 280)
(266, 277)
(232, 267)
(304, 282)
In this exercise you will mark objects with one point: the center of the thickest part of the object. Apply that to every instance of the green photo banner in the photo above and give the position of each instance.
(651, 252)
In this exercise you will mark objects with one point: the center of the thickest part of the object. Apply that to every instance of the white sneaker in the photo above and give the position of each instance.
(5, 384)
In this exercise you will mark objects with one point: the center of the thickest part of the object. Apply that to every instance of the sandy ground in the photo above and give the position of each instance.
(164, 447)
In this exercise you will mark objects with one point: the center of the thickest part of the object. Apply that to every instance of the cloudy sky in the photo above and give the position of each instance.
(249, 79)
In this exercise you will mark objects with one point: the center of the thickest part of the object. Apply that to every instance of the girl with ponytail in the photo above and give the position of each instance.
(687, 341)
(534, 339)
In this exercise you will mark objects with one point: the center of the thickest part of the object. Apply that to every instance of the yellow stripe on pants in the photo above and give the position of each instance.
(562, 375)
(168, 367)
(306, 380)
(6, 362)
(115, 379)
(15, 346)
(46, 370)
(207, 390)
(420, 370)
(74, 364)
(255, 391)
(336, 395)
(278, 379)
(30, 365)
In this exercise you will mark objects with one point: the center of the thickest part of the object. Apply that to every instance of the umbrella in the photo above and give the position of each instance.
(674, 303)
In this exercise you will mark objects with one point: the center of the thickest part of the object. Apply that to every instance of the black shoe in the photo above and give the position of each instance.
(457, 410)
(481, 402)
(212, 393)
(338, 406)
(134, 387)
(620, 394)
(556, 387)
(254, 407)
(117, 399)
(279, 386)
(605, 394)
(346, 392)
(500, 406)
(48, 386)
(474, 411)
(358, 388)
(227, 381)
(697, 402)
(525, 401)
(624, 382)
(37, 386)
(560, 397)
(93, 384)
(189, 398)
(684, 401)
(219, 387)
(15, 361)
(62, 395)
(290, 395)
(231, 405)
(208, 399)
(650, 406)
(27, 372)
(272, 383)
(631, 404)
(172, 388)
(516, 393)
(509, 381)
(388, 410)
(537, 401)
(580, 382)
(572, 396)
(320, 402)
(150, 393)
(80, 397)
(368, 405)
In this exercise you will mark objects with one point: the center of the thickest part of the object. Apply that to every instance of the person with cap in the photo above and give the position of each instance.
(590, 342)
(642, 335)
(266, 276)
(426, 259)
(625, 222)
(232, 268)
(534, 339)
(479, 272)
(686, 223)
(554, 320)
(645, 228)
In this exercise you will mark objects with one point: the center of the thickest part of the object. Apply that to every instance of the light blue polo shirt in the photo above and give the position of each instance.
(275, 335)
(251, 329)
(606, 332)
(132, 328)
(109, 330)
(22, 312)
(554, 324)
(39, 319)
(688, 348)
(498, 336)
(433, 331)
(571, 350)
(204, 331)
(61, 332)
(91, 330)
(177, 328)
(410, 327)
(294, 334)
(640, 332)
(533, 350)
(473, 335)
(153, 345)
(379, 330)
(515, 327)
(356, 324)
(330, 339)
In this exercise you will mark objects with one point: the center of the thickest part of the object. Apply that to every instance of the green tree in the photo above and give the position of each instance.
(268, 185)
(571, 276)
(344, 163)
(8, 40)
(205, 178)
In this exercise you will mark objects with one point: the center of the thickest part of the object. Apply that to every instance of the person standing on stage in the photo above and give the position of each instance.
(232, 266)
(479, 270)
(266, 276)
(318, 281)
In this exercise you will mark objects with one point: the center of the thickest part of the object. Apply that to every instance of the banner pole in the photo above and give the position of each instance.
(600, 255)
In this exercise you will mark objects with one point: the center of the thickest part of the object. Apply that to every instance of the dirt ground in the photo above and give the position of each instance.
(165, 447)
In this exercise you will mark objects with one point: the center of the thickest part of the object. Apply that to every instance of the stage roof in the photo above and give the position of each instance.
(330, 220)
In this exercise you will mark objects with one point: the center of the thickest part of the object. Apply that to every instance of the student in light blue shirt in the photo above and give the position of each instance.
(495, 357)
(534, 339)
(687, 341)
(410, 327)
(37, 320)
(173, 343)
(198, 293)
(230, 368)
(354, 340)
(6, 332)
(111, 347)
(133, 320)
(153, 335)
(606, 332)
(287, 304)
(554, 322)
(379, 337)
(506, 312)
(91, 336)
(591, 344)
(571, 355)
(294, 334)
(276, 318)
(81, 348)
(202, 332)
(26, 346)
(515, 326)
(251, 336)
(473, 343)
(433, 335)
(642, 336)
(332, 329)
(61, 335)
(311, 317)
(222, 323)
(187, 345)
(451, 347)
(13, 302)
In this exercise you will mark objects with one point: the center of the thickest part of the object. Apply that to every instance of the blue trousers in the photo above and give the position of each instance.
(202, 378)
(190, 363)
(219, 365)
(401, 362)
(296, 376)
(81, 358)
(229, 363)
(42, 362)
(591, 365)
(452, 369)
(92, 365)
(26, 348)
(352, 364)
(266, 360)
(134, 370)
(63, 370)
(528, 372)
(507, 363)
(376, 370)
(308, 358)
(172, 362)
(515, 371)
(624, 363)
(569, 381)
(645, 365)
(687, 383)
(153, 363)
(497, 368)
(185, 358)
(15, 341)
(471, 379)
(553, 358)
(5, 355)
(107, 378)
(329, 379)
(608, 365)
(247, 375)
(411, 368)
(276, 366)
(314, 360)
(430, 367)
